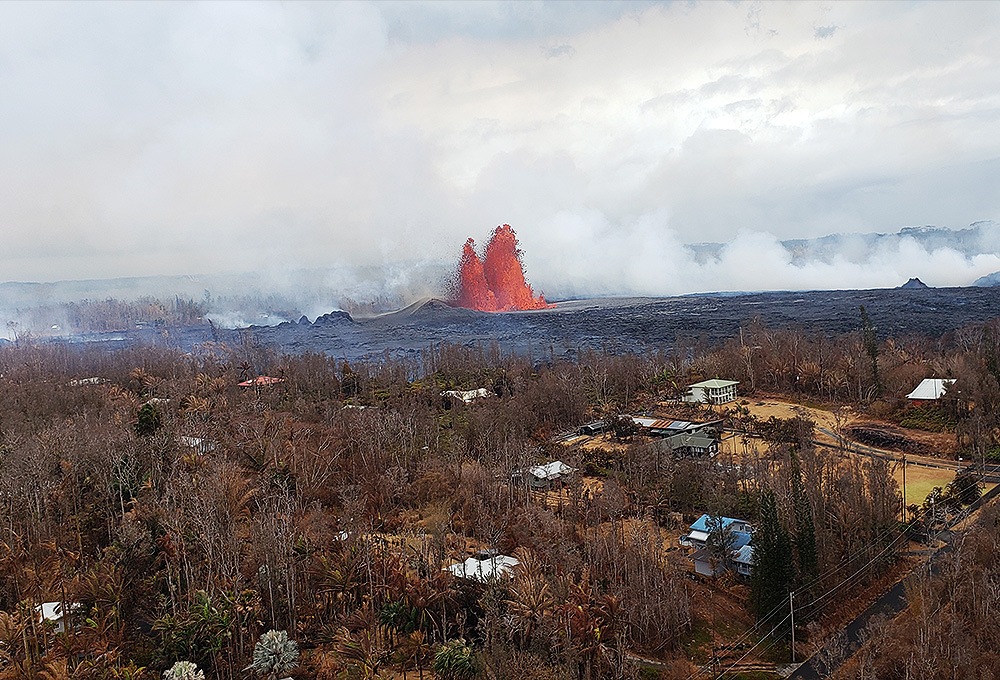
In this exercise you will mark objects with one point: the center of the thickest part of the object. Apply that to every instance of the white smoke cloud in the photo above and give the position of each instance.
(583, 255)
(207, 138)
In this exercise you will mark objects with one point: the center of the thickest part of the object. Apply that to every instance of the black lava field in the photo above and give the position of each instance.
(617, 325)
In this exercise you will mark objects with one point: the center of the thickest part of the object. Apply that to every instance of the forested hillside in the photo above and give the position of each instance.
(174, 515)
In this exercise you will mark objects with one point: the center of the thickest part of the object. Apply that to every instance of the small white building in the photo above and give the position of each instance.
(931, 389)
(485, 566)
(466, 396)
(79, 382)
(52, 613)
(713, 391)
(545, 476)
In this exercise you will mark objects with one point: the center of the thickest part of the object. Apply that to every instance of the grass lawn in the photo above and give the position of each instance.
(698, 643)
(920, 481)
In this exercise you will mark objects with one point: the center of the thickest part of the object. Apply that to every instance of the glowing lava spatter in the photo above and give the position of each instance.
(495, 283)
(473, 291)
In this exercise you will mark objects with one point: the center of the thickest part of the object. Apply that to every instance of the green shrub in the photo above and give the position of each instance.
(456, 660)
(930, 418)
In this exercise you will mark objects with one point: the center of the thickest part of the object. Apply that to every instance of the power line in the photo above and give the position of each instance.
(763, 621)
(811, 605)
(742, 638)
(815, 606)
(765, 637)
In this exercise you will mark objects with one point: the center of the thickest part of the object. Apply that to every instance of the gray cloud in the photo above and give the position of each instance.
(824, 32)
(556, 51)
(165, 138)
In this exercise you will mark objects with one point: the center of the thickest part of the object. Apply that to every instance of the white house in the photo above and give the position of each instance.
(713, 391)
(467, 396)
(740, 558)
(485, 566)
(197, 443)
(52, 613)
(931, 389)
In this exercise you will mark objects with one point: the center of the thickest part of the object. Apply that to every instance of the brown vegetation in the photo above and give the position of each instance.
(185, 516)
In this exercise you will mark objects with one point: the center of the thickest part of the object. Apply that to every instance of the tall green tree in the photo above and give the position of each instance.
(773, 570)
(148, 421)
(805, 530)
(870, 341)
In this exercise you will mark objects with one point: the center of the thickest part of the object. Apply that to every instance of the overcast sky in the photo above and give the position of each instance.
(182, 137)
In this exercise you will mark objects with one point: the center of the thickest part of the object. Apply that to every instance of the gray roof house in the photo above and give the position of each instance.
(693, 444)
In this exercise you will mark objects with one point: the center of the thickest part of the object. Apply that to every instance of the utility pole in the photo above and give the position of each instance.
(904, 487)
(791, 612)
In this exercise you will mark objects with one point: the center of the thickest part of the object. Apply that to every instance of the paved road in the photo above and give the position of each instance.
(990, 473)
(856, 447)
(823, 664)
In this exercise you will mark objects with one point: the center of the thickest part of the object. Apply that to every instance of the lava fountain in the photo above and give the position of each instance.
(496, 282)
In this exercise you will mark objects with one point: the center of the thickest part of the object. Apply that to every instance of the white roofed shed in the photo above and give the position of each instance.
(930, 389)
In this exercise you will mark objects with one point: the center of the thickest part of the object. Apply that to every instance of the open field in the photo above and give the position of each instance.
(921, 480)
(764, 408)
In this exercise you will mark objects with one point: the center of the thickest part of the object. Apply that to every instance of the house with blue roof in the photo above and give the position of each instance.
(697, 534)
(707, 564)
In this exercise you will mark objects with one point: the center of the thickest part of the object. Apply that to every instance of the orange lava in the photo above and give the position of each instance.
(496, 282)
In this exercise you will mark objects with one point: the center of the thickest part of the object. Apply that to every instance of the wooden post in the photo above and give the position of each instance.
(904, 487)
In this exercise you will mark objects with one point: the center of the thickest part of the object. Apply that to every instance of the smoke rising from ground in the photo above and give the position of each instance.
(576, 255)
(572, 256)
(262, 297)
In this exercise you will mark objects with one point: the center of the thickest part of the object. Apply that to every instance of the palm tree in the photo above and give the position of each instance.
(415, 649)
(145, 381)
(340, 580)
(530, 601)
(591, 622)
(12, 628)
(362, 653)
